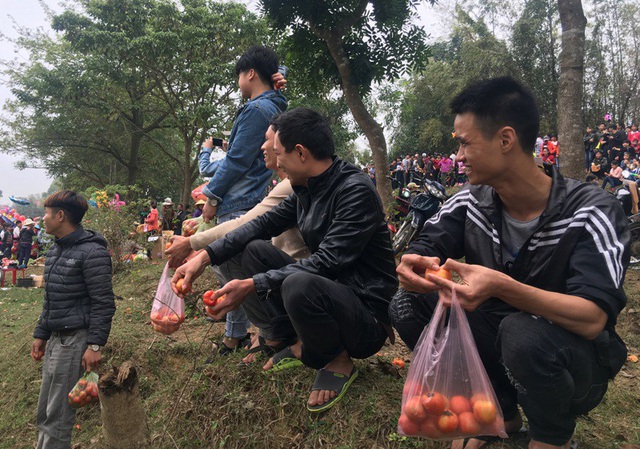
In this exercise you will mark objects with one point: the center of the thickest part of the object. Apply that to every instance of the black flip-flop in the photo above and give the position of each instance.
(264, 348)
(332, 381)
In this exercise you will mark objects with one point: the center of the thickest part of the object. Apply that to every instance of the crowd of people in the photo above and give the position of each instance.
(312, 267)
(612, 153)
(443, 169)
(22, 242)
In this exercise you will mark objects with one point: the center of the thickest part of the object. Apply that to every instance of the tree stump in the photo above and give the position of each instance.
(123, 416)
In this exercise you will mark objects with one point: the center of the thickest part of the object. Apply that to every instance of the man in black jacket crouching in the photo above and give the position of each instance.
(327, 308)
(76, 314)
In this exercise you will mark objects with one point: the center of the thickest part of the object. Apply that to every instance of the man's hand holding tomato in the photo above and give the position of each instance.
(235, 293)
(179, 251)
(190, 271)
(477, 284)
(411, 273)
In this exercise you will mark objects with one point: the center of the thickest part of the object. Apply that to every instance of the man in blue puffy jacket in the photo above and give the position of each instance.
(76, 314)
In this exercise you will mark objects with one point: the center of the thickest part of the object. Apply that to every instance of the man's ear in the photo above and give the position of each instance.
(302, 151)
(251, 74)
(508, 138)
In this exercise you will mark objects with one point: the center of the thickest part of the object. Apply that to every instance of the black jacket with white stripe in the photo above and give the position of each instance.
(580, 247)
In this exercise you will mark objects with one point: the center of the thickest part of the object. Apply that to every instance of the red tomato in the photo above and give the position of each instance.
(434, 403)
(82, 383)
(468, 423)
(485, 412)
(220, 299)
(442, 273)
(76, 399)
(407, 426)
(459, 404)
(182, 287)
(478, 397)
(398, 362)
(429, 428)
(206, 298)
(448, 422)
(414, 410)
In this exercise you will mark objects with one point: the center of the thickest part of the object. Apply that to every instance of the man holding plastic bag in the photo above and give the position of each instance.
(76, 315)
(542, 278)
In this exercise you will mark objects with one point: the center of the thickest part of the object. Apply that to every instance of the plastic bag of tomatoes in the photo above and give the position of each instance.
(448, 394)
(167, 310)
(85, 391)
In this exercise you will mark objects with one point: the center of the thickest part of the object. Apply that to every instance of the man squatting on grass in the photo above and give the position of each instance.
(542, 282)
(76, 314)
(328, 307)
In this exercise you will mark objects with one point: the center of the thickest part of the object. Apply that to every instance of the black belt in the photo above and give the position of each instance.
(67, 333)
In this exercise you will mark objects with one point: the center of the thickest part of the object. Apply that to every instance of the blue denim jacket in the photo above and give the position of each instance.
(239, 180)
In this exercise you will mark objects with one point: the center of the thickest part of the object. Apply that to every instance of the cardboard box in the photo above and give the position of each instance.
(159, 242)
(38, 281)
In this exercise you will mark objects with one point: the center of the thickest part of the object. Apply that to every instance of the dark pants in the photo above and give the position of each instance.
(614, 182)
(553, 374)
(325, 315)
(24, 252)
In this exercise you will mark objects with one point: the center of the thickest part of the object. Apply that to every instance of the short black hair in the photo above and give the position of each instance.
(153, 204)
(499, 102)
(261, 59)
(308, 128)
(73, 204)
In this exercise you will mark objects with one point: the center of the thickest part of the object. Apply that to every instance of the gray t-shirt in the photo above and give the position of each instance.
(514, 234)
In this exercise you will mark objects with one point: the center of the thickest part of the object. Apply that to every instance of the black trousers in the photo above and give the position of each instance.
(553, 374)
(325, 315)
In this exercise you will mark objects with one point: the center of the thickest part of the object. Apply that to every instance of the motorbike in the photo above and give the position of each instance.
(401, 207)
(421, 207)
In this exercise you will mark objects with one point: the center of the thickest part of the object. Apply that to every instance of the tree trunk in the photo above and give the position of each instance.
(371, 129)
(187, 171)
(123, 417)
(570, 88)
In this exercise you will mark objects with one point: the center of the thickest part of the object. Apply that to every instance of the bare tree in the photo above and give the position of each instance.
(570, 126)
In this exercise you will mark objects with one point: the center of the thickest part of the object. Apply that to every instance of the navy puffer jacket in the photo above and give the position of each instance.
(78, 290)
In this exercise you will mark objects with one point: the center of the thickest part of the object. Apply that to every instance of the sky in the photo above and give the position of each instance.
(30, 14)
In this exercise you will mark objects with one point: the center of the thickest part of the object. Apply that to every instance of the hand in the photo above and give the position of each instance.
(411, 273)
(190, 271)
(37, 349)
(208, 143)
(477, 284)
(236, 291)
(179, 251)
(91, 359)
(225, 146)
(208, 212)
(279, 81)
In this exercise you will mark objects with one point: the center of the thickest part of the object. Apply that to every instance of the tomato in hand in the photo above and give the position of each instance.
(207, 298)
(442, 273)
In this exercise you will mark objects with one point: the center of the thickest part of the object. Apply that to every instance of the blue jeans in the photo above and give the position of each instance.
(237, 324)
(553, 374)
(61, 370)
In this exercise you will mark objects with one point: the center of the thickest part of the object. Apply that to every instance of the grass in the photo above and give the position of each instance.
(228, 406)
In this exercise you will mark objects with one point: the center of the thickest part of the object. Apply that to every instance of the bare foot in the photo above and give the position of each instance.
(510, 426)
(341, 364)
(296, 348)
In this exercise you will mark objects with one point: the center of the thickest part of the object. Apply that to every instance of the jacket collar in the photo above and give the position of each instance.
(71, 238)
(489, 200)
(324, 179)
